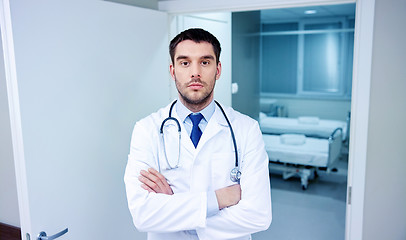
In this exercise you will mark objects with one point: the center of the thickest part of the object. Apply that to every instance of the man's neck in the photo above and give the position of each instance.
(196, 107)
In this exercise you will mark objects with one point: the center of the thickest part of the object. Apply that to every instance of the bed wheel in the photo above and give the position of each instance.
(304, 187)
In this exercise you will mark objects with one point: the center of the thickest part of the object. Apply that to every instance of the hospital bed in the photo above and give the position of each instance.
(309, 126)
(298, 151)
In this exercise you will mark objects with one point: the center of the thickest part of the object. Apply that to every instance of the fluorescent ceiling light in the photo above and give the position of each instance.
(311, 11)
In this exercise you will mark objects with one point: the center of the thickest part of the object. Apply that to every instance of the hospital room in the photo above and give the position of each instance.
(292, 71)
(76, 75)
(305, 78)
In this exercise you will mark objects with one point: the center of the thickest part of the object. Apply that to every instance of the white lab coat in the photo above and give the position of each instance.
(203, 169)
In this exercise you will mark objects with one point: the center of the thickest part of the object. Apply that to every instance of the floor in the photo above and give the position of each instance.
(317, 213)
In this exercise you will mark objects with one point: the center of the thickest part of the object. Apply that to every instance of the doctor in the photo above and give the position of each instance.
(179, 186)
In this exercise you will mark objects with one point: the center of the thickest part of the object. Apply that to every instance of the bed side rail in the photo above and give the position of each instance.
(334, 145)
(333, 134)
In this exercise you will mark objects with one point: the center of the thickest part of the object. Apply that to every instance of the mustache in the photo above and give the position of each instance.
(195, 80)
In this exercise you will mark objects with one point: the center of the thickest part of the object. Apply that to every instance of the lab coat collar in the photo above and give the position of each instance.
(184, 112)
(220, 118)
(185, 138)
(216, 124)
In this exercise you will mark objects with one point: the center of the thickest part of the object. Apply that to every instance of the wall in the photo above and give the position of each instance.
(8, 188)
(385, 188)
(326, 109)
(245, 60)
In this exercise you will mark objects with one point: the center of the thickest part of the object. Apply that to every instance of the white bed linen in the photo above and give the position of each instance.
(313, 151)
(321, 128)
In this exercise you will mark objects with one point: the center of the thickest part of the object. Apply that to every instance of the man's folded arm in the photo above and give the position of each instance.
(253, 213)
(158, 212)
(154, 182)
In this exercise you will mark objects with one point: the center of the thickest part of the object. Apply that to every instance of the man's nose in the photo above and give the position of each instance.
(195, 71)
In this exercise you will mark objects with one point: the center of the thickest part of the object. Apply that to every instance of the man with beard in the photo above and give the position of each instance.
(196, 170)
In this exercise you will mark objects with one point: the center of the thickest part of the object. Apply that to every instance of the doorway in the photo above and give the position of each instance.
(319, 212)
(360, 98)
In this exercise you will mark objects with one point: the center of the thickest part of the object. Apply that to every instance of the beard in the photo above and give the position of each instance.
(199, 101)
(202, 100)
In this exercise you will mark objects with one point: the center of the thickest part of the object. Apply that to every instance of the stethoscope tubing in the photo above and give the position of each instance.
(232, 133)
(235, 173)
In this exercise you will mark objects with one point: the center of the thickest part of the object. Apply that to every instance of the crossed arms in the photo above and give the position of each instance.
(153, 181)
(245, 207)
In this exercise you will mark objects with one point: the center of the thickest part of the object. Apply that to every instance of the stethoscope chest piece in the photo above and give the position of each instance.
(235, 175)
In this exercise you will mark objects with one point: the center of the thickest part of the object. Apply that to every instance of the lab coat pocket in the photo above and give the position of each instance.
(222, 164)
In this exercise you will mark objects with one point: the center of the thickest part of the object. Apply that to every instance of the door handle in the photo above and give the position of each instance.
(43, 235)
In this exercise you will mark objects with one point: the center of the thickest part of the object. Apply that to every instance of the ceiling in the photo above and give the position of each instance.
(299, 12)
(270, 14)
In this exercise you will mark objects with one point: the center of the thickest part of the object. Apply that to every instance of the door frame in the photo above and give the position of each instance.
(15, 116)
(362, 65)
(364, 21)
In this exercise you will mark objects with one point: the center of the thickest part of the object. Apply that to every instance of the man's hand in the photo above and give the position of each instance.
(228, 196)
(153, 181)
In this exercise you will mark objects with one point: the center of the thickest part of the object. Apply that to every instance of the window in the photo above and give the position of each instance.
(307, 58)
(279, 58)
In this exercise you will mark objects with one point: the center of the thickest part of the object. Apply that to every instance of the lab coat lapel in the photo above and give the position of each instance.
(214, 126)
(185, 139)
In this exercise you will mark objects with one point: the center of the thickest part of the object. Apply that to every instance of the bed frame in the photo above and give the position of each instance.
(305, 159)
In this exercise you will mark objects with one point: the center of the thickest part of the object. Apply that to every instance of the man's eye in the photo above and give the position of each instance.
(184, 63)
(205, 63)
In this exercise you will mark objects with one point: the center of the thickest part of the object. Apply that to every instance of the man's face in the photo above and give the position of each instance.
(195, 72)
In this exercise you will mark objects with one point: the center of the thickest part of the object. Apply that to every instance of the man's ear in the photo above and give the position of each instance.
(218, 73)
(172, 71)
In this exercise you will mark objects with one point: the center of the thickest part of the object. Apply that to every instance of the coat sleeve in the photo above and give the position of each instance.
(152, 212)
(253, 213)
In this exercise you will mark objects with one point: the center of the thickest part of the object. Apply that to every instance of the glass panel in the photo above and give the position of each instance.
(321, 67)
(279, 59)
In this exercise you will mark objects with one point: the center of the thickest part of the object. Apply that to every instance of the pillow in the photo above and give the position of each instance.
(293, 139)
(309, 120)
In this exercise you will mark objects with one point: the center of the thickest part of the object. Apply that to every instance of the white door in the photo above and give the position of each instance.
(84, 72)
(219, 24)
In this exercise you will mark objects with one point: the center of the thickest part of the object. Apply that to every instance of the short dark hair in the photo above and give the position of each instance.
(197, 35)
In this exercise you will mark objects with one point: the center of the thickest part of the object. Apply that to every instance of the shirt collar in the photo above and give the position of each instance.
(183, 112)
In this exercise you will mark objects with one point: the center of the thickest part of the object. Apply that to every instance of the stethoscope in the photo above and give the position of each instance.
(235, 173)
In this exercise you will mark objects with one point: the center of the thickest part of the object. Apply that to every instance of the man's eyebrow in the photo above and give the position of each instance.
(208, 57)
(180, 57)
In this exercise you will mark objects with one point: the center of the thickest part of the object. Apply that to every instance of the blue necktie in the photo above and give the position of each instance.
(196, 132)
